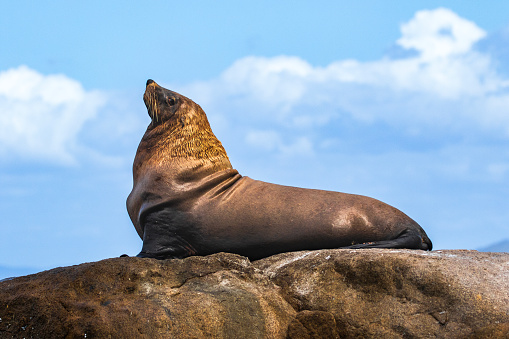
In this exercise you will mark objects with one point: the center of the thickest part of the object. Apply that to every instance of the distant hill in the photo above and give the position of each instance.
(502, 246)
(10, 272)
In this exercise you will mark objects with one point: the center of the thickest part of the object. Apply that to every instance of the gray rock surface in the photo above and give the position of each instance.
(376, 293)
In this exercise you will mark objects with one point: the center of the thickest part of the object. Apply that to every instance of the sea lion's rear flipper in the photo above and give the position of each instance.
(410, 239)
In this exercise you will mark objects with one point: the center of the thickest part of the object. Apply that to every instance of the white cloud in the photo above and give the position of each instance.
(264, 77)
(270, 140)
(41, 115)
(439, 33)
(267, 140)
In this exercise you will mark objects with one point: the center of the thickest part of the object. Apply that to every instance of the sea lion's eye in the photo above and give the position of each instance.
(171, 101)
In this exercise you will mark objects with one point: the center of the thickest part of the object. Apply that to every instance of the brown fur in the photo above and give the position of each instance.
(188, 200)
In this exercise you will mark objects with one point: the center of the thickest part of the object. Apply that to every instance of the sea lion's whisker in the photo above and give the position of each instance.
(151, 105)
(156, 111)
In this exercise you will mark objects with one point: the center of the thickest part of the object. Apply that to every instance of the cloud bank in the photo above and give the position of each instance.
(443, 86)
(41, 115)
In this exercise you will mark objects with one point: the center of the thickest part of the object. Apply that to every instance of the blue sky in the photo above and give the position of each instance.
(408, 104)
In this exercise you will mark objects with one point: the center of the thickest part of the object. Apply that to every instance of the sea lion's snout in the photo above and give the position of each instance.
(150, 99)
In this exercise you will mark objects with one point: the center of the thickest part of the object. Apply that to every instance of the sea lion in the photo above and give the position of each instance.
(188, 200)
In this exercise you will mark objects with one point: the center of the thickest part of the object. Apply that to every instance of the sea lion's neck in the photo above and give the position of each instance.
(184, 146)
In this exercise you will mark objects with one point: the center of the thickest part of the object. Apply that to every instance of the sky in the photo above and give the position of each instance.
(408, 104)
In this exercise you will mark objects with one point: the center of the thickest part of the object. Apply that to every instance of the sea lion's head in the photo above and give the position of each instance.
(162, 104)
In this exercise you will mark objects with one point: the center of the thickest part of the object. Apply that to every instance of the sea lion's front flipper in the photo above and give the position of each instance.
(164, 235)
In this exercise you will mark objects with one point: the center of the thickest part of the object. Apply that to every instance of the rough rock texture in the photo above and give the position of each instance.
(394, 293)
(372, 293)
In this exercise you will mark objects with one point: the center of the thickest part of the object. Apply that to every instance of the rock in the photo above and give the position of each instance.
(398, 293)
(221, 295)
(372, 293)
